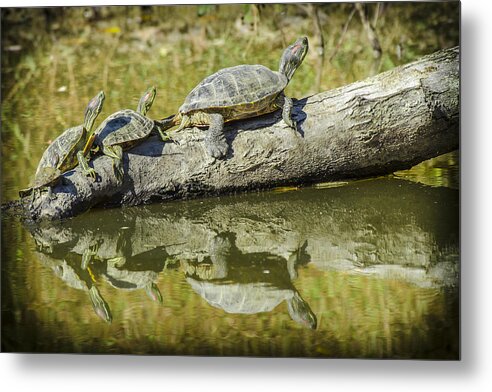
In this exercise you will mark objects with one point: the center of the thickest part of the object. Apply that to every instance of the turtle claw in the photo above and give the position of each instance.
(291, 123)
(216, 146)
(119, 176)
(174, 141)
(166, 137)
(169, 138)
(118, 172)
(217, 150)
(91, 173)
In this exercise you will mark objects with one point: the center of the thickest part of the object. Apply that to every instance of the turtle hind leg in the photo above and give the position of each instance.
(287, 113)
(116, 152)
(215, 141)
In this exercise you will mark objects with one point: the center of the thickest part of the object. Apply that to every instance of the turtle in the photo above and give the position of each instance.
(125, 129)
(237, 283)
(66, 151)
(127, 279)
(67, 268)
(236, 93)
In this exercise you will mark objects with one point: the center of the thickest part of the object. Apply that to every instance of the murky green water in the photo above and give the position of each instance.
(366, 269)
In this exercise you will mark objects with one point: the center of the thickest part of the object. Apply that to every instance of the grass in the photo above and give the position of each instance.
(69, 54)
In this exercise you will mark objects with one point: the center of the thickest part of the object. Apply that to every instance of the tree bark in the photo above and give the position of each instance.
(385, 123)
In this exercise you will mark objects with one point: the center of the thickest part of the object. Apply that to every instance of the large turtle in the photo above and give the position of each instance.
(239, 92)
(248, 283)
(66, 151)
(125, 129)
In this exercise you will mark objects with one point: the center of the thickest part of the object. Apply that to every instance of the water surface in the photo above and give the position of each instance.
(367, 269)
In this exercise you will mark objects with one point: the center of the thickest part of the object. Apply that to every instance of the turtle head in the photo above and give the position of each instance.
(99, 305)
(146, 101)
(293, 56)
(153, 292)
(93, 109)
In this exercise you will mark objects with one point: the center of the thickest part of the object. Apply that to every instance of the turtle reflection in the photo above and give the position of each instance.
(69, 270)
(81, 261)
(241, 254)
(121, 275)
(137, 273)
(249, 283)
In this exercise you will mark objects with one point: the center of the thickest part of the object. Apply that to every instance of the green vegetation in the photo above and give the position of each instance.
(54, 60)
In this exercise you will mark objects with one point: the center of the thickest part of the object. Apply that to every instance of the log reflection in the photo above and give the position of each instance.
(242, 254)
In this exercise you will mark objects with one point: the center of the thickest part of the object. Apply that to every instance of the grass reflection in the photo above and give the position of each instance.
(374, 277)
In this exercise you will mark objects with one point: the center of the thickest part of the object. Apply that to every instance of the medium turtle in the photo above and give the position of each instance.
(236, 93)
(125, 129)
(66, 151)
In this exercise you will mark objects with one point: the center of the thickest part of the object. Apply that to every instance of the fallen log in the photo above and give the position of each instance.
(385, 123)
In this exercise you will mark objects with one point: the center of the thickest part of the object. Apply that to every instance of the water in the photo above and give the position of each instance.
(366, 269)
(371, 265)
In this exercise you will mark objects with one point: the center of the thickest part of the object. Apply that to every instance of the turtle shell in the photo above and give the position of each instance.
(61, 153)
(123, 128)
(245, 298)
(46, 176)
(244, 86)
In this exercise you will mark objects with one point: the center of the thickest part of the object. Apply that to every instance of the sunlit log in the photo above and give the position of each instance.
(385, 123)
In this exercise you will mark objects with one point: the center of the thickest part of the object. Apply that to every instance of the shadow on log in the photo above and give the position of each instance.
(376, 126)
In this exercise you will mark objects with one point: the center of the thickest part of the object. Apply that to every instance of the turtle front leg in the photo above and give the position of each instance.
(215, 141)
(116, 152)
(88, 171)
(166, 137)
(88, 254)
(287, 113)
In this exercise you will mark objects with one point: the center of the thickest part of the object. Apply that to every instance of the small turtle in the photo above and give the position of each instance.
(67, 269)
(125, 129)
(66, 151)
(236, 93)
